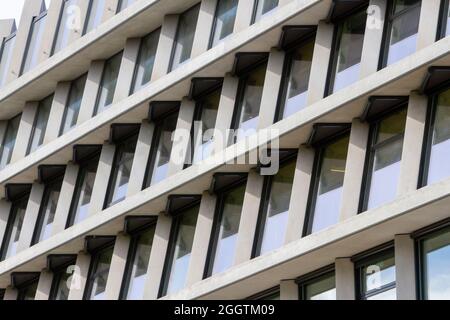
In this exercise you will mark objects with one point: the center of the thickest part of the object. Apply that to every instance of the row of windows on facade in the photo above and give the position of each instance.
(375, 270)
(344, 69)
(224, 23)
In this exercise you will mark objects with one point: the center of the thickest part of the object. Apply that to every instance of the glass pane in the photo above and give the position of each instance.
(124, 4)
(40, 124)
(34, 43)
(18, 212)
(322, 289)
(9, 141)
(401, 5)
(251, 102)
(5, 59)
(95, 15)
(331, 179)
(229, 226)
(146, 60)
(436, 266)
(385, 295)
(297, 84)
(100, 275)
(29, 292)
(108, 85)
(225, 17)
(84, 191)
(403, 40)
(139, 268)
(73, 104)
(276, 214)
(185, 37)
(49, 210)
(378, 274)
(205, 126)
(122, 170)
(183, 248)
(349, 50)
(164, 149)
(264, 6)
(439, 166)
(65, 25)
(63, 289)
(446, 23)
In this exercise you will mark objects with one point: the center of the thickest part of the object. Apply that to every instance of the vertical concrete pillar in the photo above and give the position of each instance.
(428, 23)
(117, 268)
(181, 138)
(65, 198)
(354, 169)
(80, 276)
(249, 218)
(204, 27)
(31, 216)
(225, 112)
(24, 132)
(165, 45)
(90, 92)
(201, 238)
(31, 9)
(406, 280)
(345, 279)
(299, 195)
(244, 15)
(127, 66)
(5, 209)
(319, 64)
(102, 179)
(51, 28)
(373, 37)
(289, 290)
(412, 144)
(271, 89)
(11, 293)
(57, 109)
(110, 9)
(44, 285)
(157, 257)
(141, 156)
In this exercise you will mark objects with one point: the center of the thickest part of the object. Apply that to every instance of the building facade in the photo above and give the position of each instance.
(130, 133)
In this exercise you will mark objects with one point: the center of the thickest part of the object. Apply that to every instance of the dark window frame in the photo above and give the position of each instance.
(214, 26)
(33, 129)
(442, 23)
(57, 277)
(8, 126)
(58, 26)
(35, 19)
(264, 295)
(21, 290)
(313, 277)
(61, 129)
(255, 9)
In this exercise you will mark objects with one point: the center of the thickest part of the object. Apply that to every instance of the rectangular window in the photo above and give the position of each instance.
(44, 225)
(224, 20)
(275, 208)
(14, 227)
(347, 51)
(226, 227)
(73, 104)
(120, 175)
(329, 179)
(246, 115)
(95, 15)
(205, 122)
(137, 264)
(294, 89)
(40, 124)
(402, 29)
(437, 165)
(98, 273)
(262, 7)
(64, 25)
(184, 39)
(434, 265)
(61, 279)
(32, 51)
(146, 60)
(28, 291)
(5, 57)
(445, 22)
(123, 4)
(79, 208)
(318, 286)
(161, 149)
(384, 159)
(179, 252)
(375, 277)
(108, 84)
(9, 141)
